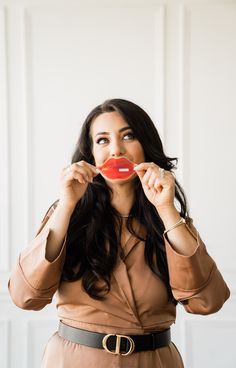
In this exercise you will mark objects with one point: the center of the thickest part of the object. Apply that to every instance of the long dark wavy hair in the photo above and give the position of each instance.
(93, 242)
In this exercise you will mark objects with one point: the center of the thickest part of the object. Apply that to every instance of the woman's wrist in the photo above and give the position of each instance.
(169, 215)
(66, 207)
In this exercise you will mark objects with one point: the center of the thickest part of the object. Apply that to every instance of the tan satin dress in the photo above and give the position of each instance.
(136, 304)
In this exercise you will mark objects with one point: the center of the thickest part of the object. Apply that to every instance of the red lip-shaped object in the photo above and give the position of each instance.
(118, 168)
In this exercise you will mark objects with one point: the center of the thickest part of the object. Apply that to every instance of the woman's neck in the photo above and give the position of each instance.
(122, 198)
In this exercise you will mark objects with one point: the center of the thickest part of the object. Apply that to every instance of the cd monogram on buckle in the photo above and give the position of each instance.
(118, 344)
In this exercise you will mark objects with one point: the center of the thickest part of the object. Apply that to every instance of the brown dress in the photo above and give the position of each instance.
(136, 304)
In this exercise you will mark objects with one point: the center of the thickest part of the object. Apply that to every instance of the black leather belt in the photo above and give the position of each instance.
(115, 343)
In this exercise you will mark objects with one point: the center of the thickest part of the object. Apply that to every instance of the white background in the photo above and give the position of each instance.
(176, 59)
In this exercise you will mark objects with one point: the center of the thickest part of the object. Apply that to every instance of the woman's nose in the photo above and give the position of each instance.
(117, 149)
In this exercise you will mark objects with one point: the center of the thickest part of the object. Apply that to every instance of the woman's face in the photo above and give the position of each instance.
(112, 137)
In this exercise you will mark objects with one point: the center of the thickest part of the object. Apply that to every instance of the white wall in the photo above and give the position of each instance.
(176, 59)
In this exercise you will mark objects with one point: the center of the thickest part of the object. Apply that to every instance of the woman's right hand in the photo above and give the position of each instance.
(74, 182)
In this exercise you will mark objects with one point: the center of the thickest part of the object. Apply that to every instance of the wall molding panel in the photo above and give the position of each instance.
(4, 346)
(38, 333)
(27, 118)
(181, 97)
(160, 25)
(4, 149)
(216, 332)
(27, 13)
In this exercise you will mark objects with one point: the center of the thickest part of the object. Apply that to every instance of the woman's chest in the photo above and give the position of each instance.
(134, 289)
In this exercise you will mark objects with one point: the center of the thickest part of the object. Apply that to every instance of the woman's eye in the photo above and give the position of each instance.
(128, 136)
(102, 140)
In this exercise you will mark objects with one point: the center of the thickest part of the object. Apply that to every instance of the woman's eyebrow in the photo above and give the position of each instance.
(120, 130)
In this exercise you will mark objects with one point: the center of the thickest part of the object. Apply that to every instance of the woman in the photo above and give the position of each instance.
(117, 251)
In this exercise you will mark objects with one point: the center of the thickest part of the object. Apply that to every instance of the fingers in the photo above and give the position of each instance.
(153, 176)
(144, 166)
(81, 171)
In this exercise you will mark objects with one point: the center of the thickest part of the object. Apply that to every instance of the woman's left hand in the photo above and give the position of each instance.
(158, 184)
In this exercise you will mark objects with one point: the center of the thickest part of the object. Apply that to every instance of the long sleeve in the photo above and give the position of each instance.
(195, 280)
(34, 279)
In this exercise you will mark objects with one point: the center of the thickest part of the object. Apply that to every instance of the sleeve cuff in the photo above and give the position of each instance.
(37, 270)
(189, 273)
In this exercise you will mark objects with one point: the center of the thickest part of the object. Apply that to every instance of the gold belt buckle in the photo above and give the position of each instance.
(118, 342)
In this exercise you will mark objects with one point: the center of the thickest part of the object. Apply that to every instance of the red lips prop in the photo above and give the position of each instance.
(118, 168)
